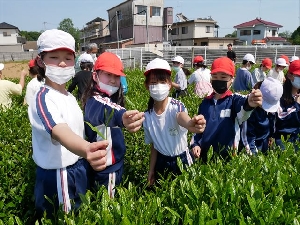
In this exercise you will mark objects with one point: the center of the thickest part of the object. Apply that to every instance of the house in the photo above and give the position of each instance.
(197, 32)
(30, 46)
(94, 29)
(10, 40)
(137, 22)
(258, 31)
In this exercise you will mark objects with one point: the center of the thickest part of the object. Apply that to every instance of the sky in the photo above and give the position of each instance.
(37, 15)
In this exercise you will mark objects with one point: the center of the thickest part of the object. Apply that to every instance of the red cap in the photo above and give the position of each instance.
(286, 59)
(223, 65)
(294, 68)
(198, 59)
(267, 62)
(109, 62)
(31, 63)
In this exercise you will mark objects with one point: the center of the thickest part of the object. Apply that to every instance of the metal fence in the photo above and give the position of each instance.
(139, 57)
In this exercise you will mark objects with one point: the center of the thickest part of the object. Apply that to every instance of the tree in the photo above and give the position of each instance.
(233, 35)
(68, 26)
(295, 37)
(30, 35)
(286, 34)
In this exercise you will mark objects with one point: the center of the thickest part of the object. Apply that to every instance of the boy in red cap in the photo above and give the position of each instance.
(224, 112)
(287, 118)
(34, 85)
(103, 102)
(259, 74)
(201, 77)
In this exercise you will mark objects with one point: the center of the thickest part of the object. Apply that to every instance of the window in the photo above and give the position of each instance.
(184, 30)
(175, 31)
(208, 29)
(273, 33)
(170, 13)
(119, 13)
(141, 9)
(6, 34)
(154, 11)
(256, 32)
(245, 32)
(204, 43)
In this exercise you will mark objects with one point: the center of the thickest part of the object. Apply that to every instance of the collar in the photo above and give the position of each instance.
(227, 93)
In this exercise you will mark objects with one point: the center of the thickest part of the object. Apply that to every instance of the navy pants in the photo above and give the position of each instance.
(60, 186)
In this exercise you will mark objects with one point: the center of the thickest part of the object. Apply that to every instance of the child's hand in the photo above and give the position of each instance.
(255, 98)
(196, 151)
(96, 155)
(133, 120)
(151, 178)
(197, 124)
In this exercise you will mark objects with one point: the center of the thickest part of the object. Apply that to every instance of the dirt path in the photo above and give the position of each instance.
(13, 69)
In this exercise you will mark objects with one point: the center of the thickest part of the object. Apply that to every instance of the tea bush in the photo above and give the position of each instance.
(246, 190)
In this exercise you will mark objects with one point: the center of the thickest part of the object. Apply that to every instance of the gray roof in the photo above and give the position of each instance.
(7, 26)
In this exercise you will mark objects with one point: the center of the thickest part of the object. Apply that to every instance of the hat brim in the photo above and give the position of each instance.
(282, 64)
(270, 107)
(113, 71)
(1, 66)
(51, 50)
(221, 70)
(148, 71)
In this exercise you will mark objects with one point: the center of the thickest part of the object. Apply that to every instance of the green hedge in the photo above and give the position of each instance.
(245, 190)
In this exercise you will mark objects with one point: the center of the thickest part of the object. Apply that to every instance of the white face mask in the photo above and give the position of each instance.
(296, 82)
(108, 89)
(159, 91)
(93, 56)
(59, 75)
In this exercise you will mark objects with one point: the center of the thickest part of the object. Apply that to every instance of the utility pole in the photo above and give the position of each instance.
(117, 29)
(147, 29)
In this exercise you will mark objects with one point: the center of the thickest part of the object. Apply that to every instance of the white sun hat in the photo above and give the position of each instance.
(272, 91)
(158, 63)
(178, 59)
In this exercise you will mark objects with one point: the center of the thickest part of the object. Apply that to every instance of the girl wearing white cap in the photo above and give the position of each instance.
(166, 123)
(277, 71)
(287, 124)
(59, 147)
(103, 103)
(180, 83)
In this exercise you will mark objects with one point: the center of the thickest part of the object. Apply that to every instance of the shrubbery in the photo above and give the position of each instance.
(245, 190)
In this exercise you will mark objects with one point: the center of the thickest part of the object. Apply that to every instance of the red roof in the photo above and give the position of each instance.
(257, 21)
(275, 39)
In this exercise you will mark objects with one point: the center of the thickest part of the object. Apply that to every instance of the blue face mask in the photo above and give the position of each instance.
(176, 68)
(296, 82)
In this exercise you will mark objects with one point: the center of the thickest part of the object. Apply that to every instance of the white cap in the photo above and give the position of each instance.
(272, 91)
(178, 59)
(293, 58)
(54, 39)
(158, 63)
(1, 66)
(249, 57)
(85, 57)
(281, 62)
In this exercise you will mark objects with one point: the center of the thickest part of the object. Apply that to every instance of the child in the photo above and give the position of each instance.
(34, 85)
(259, 74)
(180, 83)
(83, 77)
(103, 103)
(59, 149)
(201, 77)
(258, 129)
(243, 80)
(223, 111)
(166, 123)
(287, 118)
(277, 71)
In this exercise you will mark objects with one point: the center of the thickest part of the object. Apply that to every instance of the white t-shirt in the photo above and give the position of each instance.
(273, 73)
(199, 74)
(32, 87)
(163, 131)
(8, 88)
(51, 108)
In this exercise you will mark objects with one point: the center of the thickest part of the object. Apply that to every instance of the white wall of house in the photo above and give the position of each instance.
(154, 9)
(8, 36)
(257, 32)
